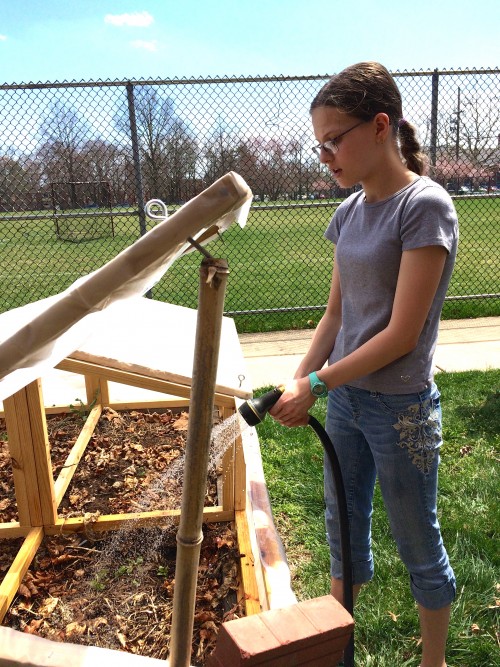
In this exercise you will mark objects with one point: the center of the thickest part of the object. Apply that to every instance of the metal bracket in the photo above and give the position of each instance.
(199, 247)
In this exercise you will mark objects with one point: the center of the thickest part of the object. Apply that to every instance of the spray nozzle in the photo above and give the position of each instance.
(254, 410)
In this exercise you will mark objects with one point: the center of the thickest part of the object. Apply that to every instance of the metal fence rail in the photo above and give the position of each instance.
(80, 159)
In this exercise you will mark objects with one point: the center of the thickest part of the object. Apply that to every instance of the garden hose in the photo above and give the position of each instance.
(345, 539)
(253, 412)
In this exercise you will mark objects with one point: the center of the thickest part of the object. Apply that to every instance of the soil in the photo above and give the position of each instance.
(115, 589)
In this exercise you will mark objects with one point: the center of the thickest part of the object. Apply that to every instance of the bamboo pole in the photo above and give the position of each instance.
(213, 278)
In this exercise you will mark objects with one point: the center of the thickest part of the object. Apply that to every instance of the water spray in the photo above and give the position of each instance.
(253, 412)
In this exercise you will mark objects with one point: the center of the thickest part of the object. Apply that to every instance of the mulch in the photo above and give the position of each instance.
(115, 589)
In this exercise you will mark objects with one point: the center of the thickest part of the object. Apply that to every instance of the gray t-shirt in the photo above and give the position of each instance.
(370, 239)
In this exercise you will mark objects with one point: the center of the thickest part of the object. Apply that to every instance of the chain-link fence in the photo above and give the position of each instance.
(79, 161)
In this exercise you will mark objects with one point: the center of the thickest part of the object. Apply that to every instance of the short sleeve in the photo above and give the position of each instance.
(429, 218)
(332, 231)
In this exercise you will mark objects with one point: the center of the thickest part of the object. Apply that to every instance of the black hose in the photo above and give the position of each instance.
(345, 540)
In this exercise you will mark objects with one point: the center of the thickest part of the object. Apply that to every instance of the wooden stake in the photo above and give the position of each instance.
(11, 581)
(97, 390)
(41, 451)
(76, 453)
(29, 450)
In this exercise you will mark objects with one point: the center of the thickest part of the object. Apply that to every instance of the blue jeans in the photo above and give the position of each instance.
(397, 439)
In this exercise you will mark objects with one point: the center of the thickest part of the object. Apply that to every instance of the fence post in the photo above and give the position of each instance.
(434, 116)
(137, 163)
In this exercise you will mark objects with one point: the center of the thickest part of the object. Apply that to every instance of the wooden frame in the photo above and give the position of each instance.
(38, 495)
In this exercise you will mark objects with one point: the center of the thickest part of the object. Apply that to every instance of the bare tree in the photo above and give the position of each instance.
(19, 183)
(104, 161)
(468, 149)
(163, 139)
(479, 126)
(220, 152)
(63, 133)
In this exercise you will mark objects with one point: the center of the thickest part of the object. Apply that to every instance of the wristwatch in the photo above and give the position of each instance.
(318, 387)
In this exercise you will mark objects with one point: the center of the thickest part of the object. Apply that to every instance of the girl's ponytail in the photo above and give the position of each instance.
(416, 160)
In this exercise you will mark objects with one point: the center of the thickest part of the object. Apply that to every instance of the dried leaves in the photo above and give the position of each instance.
(106, 595)
(124, 601)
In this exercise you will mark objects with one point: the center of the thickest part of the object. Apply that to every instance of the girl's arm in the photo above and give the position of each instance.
(419, 276)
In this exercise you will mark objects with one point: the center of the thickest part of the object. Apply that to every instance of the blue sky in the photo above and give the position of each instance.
(58, 40)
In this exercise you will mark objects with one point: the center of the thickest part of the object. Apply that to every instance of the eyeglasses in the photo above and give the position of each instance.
(331, 146)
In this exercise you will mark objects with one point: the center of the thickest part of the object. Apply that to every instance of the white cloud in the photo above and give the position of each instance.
(135, 20)
(3, 38)
(147, 46)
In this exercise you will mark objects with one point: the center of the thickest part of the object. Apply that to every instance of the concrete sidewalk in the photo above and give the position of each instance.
(462, 345)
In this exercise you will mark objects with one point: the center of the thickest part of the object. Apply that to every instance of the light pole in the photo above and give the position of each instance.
(455, 127)
(457, 135)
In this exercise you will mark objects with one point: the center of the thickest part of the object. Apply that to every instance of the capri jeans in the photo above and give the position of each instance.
(395, 438)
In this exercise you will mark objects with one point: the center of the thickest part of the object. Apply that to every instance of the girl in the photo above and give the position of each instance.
(395, 247)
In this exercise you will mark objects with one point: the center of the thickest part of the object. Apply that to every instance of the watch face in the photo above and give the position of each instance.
(319, 389)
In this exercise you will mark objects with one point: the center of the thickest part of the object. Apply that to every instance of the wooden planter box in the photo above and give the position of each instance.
(158, 368)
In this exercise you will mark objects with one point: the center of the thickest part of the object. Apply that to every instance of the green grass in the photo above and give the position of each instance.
(279, 260)
(386, 620)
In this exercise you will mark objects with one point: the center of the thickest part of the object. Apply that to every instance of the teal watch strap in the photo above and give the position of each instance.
(318, 387)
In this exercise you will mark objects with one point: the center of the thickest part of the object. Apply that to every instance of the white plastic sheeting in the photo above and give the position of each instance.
(36, 337)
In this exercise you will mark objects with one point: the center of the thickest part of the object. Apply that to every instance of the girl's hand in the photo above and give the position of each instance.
(293, 406)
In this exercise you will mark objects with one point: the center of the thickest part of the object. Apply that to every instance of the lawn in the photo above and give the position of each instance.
(386, 622)
(279, 261)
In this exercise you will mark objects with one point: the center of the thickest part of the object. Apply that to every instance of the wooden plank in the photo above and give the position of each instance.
(273, 573)
(124, 377)
(136, 379)
(97, 390)
(76, 453)
(240, 476)
(13, 530)
(228, 479)
(167, 404)
(142, 404)
(240, 467)
(228, 469)
(41, 452)
(146, 372)
(17, 419)
(16, 572)
(135, 519)
(247, 564)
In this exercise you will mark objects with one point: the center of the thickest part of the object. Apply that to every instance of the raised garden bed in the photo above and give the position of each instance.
(114, 589)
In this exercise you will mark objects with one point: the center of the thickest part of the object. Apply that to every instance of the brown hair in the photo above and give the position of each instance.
(366, 89)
